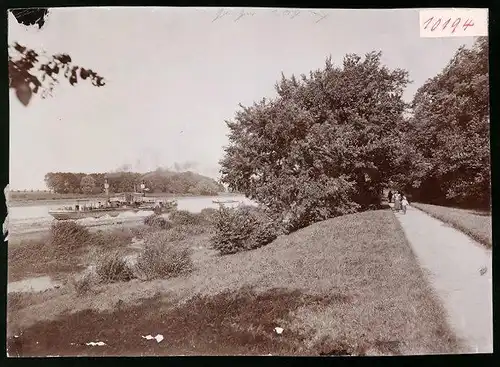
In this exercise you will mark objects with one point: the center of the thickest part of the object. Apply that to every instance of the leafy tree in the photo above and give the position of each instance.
(88, 184)
(325, 147)
(449, 133)
(28, 74)
(55, 182)
(99, 182)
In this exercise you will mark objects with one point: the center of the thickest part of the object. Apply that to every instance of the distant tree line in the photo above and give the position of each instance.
(333, 139)
(159, 181)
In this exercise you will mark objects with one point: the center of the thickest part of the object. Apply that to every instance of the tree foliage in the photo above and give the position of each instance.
(449, 133)
(325, 146)
(29, 75)
(242, 229)
(87, 184)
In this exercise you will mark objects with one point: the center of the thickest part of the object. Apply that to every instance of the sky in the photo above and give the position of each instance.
(175, 75)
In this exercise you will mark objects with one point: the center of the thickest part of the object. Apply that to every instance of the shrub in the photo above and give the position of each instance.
(67, 237)
(208, 214)
(161, 237)
(182, 232)
(160, 259)
(177, 233)
(112, 267)
(184, 217)
(15, 301)
(243, 228)
(112, 239)
(83, 284)
(140, 231)
(157, 221)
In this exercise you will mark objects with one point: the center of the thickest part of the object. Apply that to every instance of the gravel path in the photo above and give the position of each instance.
(460, 271)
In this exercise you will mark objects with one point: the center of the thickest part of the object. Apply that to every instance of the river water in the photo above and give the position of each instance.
(37, 217)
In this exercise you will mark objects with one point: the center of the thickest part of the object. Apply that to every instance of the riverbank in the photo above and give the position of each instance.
(28, 221)
(331, 288)
(29, 233)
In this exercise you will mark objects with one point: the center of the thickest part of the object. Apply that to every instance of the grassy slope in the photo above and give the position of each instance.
(475, 224)
(349, 281)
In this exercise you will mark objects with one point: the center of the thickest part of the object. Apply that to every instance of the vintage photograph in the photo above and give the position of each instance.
(248, 181)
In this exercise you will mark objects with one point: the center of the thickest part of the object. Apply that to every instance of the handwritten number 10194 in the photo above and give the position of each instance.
(442, 23)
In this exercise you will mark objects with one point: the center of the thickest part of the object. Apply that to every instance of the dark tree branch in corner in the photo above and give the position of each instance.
(23, 67)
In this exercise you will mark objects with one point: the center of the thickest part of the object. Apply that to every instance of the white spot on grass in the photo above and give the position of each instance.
(98, 344)
(158, 337)
(278, 330)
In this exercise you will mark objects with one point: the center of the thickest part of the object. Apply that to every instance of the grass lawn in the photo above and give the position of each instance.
(349, 285)
(473, 223)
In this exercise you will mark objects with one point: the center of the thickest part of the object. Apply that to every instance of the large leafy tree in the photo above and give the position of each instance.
(450, 131)
(325, 146)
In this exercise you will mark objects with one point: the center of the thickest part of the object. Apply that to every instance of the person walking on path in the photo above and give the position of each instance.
(404, 204)
(389, 196)
(397, 201)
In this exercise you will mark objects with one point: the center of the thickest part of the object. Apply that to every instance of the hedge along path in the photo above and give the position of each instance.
(460, 271)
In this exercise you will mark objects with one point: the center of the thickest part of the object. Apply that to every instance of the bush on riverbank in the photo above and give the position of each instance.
(208, 214)
(82, 285)
(241, 229)
(184, 217)
(68, 237)
(157, 221)
(160, 258)
(112, 267)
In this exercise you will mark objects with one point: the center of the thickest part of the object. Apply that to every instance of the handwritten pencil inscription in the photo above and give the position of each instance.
(237, 15)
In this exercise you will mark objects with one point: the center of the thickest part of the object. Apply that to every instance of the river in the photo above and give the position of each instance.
(36, 218)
